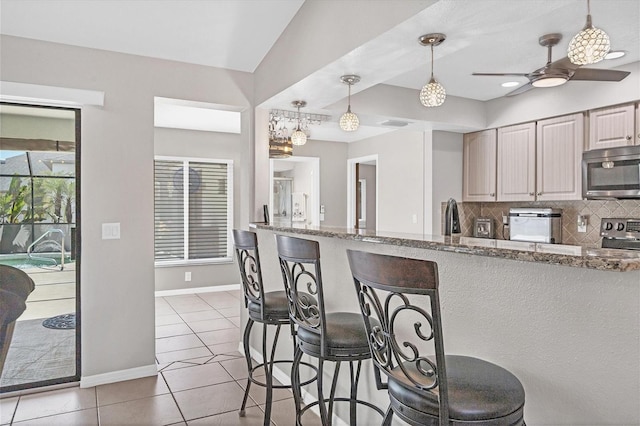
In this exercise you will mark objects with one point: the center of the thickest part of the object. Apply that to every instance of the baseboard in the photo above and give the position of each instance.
(118, 376)
(283, 377)
(210, 289)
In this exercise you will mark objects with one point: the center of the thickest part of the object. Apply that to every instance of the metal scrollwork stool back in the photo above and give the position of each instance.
(400, 305)
(265, 307)
(327, 336)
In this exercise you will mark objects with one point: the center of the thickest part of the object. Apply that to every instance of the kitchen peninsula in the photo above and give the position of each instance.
(564, 319)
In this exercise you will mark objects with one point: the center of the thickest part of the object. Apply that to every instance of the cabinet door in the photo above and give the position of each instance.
(516, 163)
(638, 124)
(559, 143)
(479, 166)
(611, 127)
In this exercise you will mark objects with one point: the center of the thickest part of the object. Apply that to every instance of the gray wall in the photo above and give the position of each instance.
(211, 145)
(447, 172)
(117, 276)
(400, 178)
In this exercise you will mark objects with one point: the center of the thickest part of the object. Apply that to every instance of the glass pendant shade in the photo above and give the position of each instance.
(590, 45)
(349, 122)
(432, 94)
(298, 137)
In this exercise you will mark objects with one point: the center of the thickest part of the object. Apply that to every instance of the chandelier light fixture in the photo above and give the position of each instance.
(298, 137)
(590, 45)
(432, 94)
(349, 122)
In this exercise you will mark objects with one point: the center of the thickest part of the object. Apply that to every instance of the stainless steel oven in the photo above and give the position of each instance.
(611, 173)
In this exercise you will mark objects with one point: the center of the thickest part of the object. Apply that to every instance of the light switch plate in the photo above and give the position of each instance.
(111, 231)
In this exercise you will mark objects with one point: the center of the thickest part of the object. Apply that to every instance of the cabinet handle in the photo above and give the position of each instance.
(492, 194)
(539, 193)
(628, 137)
(532, 194)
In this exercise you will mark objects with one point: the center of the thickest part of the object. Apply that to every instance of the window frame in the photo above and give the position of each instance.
(230, 189)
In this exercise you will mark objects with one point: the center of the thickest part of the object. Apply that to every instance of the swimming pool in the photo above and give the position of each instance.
(22, 261)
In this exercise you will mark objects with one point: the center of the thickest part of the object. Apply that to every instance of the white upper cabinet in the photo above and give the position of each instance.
(611, 127)
(638, 124)
(479, 166)
(516, 163)
(559, 144)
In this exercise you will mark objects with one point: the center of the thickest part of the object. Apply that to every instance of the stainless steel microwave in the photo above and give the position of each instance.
(611, 173)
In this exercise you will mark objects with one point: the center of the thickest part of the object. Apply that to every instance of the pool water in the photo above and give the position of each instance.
(21, 261)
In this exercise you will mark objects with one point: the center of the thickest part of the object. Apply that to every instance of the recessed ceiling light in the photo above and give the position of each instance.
(615, 54)
(510, 84)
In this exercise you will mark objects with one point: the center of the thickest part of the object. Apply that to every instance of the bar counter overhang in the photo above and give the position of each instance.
(564, 319)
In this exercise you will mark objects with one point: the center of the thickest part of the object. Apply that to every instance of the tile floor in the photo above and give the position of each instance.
(200, 382)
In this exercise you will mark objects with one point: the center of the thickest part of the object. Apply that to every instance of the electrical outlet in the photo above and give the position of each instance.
(187, 276)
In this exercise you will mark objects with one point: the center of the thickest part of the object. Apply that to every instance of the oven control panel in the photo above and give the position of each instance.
(620, 228)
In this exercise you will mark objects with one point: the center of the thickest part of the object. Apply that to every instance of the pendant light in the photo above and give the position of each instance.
(590, 45)
(349, 122)
(298, 137)
(432, 94)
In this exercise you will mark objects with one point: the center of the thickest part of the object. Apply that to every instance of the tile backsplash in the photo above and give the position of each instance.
(593, 210)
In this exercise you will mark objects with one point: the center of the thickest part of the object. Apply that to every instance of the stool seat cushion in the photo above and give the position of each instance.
(345, 333)
(275, 306)
(478, 391)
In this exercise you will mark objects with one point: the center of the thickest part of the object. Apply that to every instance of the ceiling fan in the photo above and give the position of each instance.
(558, 72)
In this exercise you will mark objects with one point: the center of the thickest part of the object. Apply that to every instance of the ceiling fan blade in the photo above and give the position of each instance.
(599, 75)
(499, 74)
(524, 88)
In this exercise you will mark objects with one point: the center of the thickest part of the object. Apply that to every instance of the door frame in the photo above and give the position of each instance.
(351, 187)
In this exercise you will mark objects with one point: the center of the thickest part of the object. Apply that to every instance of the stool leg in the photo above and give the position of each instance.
(295, 383)
(388, 417)
(354, 391)
(247, 355)
(323, 408)
(268, 371)
(332, 394)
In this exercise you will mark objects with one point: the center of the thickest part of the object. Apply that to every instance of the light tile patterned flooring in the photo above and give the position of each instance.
(201, 381)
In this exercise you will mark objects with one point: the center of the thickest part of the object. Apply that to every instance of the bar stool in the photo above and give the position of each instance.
(333, 336)
(267, 308)
(400, 305)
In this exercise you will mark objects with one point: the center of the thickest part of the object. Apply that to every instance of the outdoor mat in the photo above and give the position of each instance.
(61, 322)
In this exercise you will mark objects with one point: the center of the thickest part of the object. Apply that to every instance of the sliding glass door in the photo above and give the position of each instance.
(39, 233)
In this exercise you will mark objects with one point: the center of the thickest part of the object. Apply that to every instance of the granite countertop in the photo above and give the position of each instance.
(556, 254)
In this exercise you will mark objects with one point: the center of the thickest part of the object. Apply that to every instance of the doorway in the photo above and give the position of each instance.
(294, 191)
(362, 193)
(40, 234)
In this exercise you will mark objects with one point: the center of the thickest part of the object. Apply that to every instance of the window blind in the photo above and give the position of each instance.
(192, 206)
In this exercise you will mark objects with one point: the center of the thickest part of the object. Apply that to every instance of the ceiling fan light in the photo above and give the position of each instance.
(549, 82)
(298, 137)
(432, 94)
(349, 122)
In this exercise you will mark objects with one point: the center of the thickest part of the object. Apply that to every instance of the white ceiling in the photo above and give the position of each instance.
(482, 36)
(232, 34)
